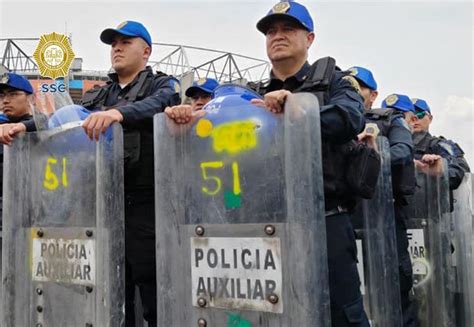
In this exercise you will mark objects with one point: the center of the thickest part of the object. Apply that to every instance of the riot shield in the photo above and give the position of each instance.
(374, 222)
(63, 245)
(240, 226)
(462, 255)
(430, 249)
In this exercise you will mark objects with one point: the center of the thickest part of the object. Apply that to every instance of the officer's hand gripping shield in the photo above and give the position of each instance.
(374, 221)
(429, 240)
(240, 225)
(463, 256)
(63, 260)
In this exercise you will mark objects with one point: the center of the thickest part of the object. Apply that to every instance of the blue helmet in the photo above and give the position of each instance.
(15, 81)
(68, 114)
(421, 105)
(230, 116)
(398, 101)
(364, 76)
(287, 10)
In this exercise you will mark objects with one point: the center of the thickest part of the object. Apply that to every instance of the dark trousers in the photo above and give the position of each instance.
(344, 284)
(405, 269)
(140, 260)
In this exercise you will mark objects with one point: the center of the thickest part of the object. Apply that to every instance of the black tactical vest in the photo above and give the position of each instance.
(403, 177)
(138, 144)
(335, 157)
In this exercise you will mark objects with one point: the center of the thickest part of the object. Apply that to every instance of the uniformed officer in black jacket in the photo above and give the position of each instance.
(430, 149)
(132, 96)
(391, 123)
(288, 28)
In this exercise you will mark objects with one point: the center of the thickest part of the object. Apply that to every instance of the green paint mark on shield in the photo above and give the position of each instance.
(231, 200)
(237, 321)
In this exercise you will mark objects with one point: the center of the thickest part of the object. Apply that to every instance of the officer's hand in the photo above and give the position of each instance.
(181, 114)
(9, 131)
(98, 122)
(179, 120)
(369, 138)
(430, 159)
(273, 101)
(430, 164)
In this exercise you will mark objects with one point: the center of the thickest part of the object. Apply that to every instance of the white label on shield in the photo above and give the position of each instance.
(70, 261)
(416, 245)
(360, 266)
(237, 273)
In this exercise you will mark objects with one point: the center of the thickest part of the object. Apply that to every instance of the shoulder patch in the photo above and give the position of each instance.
(447, 146)
(353, 82)
(175, 85)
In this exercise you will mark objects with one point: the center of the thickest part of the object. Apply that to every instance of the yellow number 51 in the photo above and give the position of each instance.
(51, 180)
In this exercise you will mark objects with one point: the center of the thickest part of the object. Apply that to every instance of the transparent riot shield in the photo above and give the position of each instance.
(63, 245)
(374, 221)
(430, 249)
(240, 226)
(462, 255)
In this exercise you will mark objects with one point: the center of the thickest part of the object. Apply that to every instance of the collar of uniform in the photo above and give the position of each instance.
(418, 137)
(114, 76)
(20, 119)
(300, 76)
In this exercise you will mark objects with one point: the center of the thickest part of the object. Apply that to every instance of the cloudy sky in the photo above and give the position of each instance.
(420, 48)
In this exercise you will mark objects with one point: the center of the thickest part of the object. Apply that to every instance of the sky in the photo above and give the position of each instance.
(420, 48)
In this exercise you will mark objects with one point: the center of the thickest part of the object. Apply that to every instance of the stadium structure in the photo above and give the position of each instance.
(187, 63)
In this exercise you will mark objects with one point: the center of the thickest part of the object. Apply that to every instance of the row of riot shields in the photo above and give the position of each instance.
(240, 227)
(440, 234)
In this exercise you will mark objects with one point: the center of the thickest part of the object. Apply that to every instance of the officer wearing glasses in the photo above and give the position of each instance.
(430, 149)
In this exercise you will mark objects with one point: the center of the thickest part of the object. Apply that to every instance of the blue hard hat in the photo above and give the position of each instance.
(68, 114)
(127, 28)
(206, 85)
(287, 9)
(15, 81)
(421, 104)
(236, 90)
(231, 102)
(398, 101)
(365, 76)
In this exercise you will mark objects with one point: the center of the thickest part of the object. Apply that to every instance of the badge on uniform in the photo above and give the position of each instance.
(201, 81)
(353, 82)
(372, 128)
(353, 71)
(175, 85)
(281, 8)
(122, 25)
(391, 100)
(4, 79)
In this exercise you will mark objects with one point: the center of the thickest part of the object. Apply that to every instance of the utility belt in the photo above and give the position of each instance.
(336, 210)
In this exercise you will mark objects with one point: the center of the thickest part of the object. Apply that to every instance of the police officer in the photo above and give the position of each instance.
(16, 99)
(391, 124)
(430, 149)
(288, 29)
(132, 97)
(200, 94)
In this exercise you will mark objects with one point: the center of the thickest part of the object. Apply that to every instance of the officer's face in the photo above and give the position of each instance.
(129, 55)
(287, 40)
(199, 100)
(14, 103)
(369, 96)
(421, 122)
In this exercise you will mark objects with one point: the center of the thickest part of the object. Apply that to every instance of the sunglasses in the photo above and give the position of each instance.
(421, 114)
